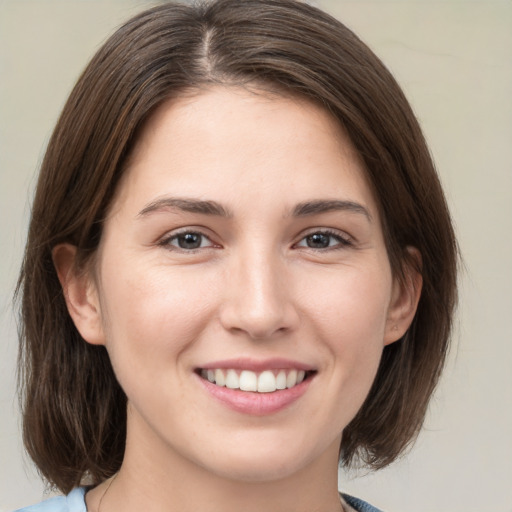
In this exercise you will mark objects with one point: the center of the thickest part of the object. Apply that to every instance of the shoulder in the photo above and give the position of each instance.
(73, 502)
(359, 505)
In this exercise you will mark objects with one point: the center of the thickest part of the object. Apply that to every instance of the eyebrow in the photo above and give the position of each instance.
(206, 207)
(323, 206)
(186, 205)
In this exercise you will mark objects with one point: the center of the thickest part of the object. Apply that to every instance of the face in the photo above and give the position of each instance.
(242, 286)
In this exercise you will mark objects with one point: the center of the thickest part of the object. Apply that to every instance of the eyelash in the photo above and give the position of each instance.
(166, 242)
(342, 241)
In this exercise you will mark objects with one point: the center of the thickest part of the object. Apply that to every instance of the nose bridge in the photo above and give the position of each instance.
(258, 301)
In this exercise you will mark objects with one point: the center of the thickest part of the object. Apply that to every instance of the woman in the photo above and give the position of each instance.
(240, 268)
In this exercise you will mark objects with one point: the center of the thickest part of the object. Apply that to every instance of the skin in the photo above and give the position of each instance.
(254, 288)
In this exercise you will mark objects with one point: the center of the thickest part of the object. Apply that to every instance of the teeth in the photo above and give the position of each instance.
(219, 378)
(248, 381)
(281, 380)
(232, 380)
(267, 381)
(291, 379)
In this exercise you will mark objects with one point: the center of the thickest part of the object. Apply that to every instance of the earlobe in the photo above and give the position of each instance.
(80, 293)
(405, 297)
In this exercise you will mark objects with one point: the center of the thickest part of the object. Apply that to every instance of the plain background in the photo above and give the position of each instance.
(454, 61)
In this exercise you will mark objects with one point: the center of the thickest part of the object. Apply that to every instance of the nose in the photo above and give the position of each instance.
(259, 297)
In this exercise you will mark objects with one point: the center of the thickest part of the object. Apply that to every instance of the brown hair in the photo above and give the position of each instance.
(74, 409)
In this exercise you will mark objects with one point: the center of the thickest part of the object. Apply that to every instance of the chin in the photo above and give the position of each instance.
(259, 465)
(252, 472)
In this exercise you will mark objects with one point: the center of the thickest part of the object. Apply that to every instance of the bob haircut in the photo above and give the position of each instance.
(74, 409)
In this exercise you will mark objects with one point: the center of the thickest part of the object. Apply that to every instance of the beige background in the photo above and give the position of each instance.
(454, 60)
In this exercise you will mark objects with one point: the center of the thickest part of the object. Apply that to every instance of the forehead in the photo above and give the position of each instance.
(252, 140)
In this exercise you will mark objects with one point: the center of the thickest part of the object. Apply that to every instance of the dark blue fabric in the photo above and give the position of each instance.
(359, 505)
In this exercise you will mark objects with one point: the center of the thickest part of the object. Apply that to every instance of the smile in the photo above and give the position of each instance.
(267, 381)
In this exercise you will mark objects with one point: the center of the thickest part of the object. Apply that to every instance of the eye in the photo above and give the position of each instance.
(324, 240)
(187, 241)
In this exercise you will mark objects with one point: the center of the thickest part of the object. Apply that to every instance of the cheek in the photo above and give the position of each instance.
(151, 316)
(349, 319)
(351, 306)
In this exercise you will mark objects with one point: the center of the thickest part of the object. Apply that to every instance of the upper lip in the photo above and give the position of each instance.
(257, 365)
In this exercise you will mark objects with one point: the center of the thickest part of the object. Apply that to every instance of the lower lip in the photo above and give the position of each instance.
(256, 404)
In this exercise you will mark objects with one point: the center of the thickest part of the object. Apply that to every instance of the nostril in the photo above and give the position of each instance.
(259, 325)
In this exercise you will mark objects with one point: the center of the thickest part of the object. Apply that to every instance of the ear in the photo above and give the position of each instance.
(405, 297)
(80, 293)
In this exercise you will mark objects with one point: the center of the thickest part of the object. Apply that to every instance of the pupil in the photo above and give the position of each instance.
(318, 241)
(189, 241)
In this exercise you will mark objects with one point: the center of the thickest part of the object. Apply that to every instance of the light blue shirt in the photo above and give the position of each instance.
(75, 502)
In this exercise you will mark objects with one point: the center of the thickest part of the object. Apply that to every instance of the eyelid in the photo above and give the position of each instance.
(165, 240)
(345, 240)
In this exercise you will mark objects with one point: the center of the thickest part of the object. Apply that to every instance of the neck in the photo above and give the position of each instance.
(213, 494)
(163, 480)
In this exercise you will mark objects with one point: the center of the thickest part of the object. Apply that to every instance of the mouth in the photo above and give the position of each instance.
(266, 381)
